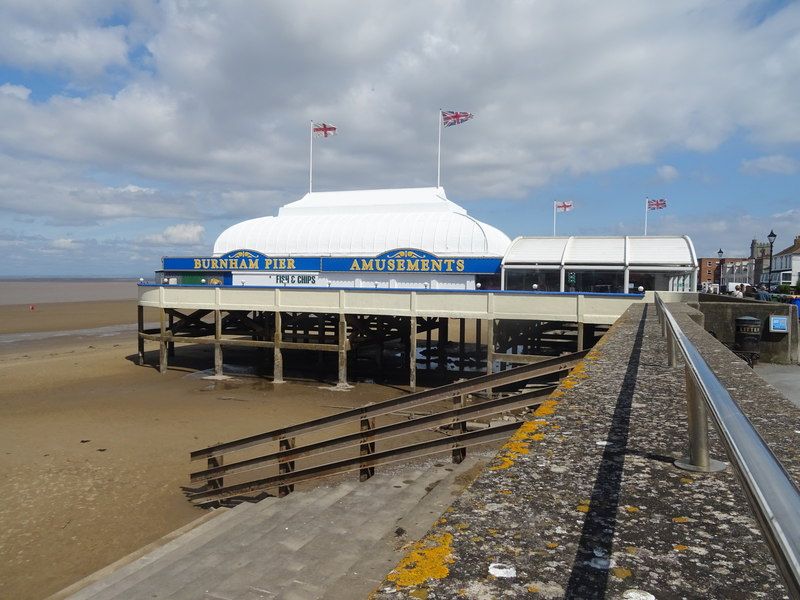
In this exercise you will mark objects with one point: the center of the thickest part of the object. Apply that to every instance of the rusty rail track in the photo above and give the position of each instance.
(484, 404)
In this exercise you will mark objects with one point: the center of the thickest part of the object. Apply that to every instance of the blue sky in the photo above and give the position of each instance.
(133, 129)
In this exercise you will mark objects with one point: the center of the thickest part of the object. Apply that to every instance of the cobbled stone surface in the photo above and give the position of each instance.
(584, 501)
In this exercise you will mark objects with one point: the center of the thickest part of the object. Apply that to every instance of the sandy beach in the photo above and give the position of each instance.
(94, 448)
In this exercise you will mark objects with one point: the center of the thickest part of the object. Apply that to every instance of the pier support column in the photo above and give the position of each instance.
(462, 335)
(140, 318)
(412, 353)
(441, 345)
(489, 352)
(218, 343)
(342, 350)
(489, 346)
(579, 334)
(478, 329)
(277, 373)
(162, 355)
(427, 345)
(171, 345)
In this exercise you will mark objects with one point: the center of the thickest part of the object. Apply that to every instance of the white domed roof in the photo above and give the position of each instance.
(368, 223)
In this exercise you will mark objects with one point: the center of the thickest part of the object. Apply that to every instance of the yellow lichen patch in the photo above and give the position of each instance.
(554, 426)
(680, 519)
(621, 572)
(584, 508)
(631, 549)
(537, 437)
(552, 545)
(476, 539)
(420, 594)
(517, 445)
(462, 526)
(680, 547)
(505, 492)
(687, 480)
(632, 509)
(492, 531)
(427, 559)
(441, 521)
(533, 589)
(546, 408)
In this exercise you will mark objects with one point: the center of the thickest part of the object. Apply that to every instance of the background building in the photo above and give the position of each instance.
(709, 273)
(785, 266)
(759, 252)
(737, 271)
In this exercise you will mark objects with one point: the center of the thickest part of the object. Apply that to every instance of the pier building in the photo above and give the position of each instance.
(601, 264)
(361, 273)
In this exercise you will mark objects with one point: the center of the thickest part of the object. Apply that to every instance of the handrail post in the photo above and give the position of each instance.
(367, 448)
(697, 415)
(285, 466)
(672, 351)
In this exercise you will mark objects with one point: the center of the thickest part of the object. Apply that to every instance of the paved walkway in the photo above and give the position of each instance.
(785, 378)
(584, 501)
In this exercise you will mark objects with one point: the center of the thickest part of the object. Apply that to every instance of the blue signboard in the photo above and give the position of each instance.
(411, 261)
(241, 260)
(778, 324)
(403, 260)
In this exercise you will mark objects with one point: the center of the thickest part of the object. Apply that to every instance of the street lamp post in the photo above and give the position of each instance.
(720, 253)
(771, 237)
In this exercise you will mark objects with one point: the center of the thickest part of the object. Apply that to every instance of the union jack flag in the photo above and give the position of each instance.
(450, 117)
(656, 204)
(323, 129)
(564, 206)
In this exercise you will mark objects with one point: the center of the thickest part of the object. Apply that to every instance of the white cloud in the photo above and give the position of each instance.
(20, 92)
(199, 111)
(775, 163)
(65, 36)
(731, 231)
(65, 244)
(667, 173)
(234, 85)
(182, 234)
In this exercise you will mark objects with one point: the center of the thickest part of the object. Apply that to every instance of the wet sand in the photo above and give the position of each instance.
(67, 316)
(94, 448)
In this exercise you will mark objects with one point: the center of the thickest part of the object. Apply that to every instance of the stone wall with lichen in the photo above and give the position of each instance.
(584, 501)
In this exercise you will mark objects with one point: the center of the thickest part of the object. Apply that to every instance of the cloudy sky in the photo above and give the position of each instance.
(135, 129)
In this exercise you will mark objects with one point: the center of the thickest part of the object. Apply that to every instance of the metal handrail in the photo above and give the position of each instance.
(770, 490)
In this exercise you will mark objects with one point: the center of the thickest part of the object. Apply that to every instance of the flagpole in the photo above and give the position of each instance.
(646, 200)
(554, 218)
(439, 152)
(310, 155)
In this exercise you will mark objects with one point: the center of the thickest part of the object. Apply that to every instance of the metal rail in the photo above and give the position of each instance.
(450, 417)
(445, 392)
(359, 463)
(770, 490)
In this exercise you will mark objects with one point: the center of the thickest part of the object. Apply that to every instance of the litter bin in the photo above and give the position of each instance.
(748, 334)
